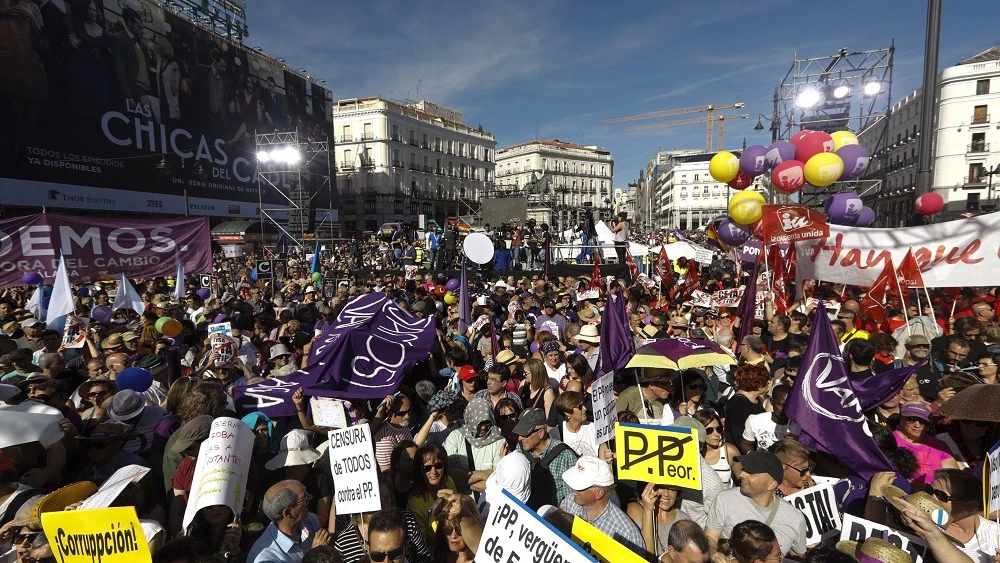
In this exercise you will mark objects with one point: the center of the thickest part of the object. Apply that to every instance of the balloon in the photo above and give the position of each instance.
(450, 298)
(741, 181)
(204, 293)
(160, 322)
(929, 203)
(866, 218)
(813, 144)
(788, 177)
(172, 328)
(733, 234)
(478, 248)
(317, 277)
(752, 161)
(824, 169)
(855, 159)
(758, 230)
(102, 313)
(452, 284)
(796, 138)
(724, 166)
(440, 290)
(136, 379)
(83, 292)
(779, 152)
(843, 208)
(220, 318)
(31, 278)
(843, 138)
(745, 207)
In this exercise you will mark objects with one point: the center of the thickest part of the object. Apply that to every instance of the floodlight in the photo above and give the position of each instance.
(808, 98)
(263, 156)
(872, 88)
(841, 91)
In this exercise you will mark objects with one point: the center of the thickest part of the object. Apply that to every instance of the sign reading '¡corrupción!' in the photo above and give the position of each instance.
(355, 472)
(664, 455)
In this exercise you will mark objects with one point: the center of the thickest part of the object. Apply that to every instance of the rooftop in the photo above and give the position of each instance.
(556, 143)
(991, 54)
(371, 103)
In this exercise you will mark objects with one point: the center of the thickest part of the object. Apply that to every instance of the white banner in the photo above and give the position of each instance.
(114, 486)
(819, 505)
(994, 492)
(515, 533)
(859, 529)
(727, 297)
(220, 475)
(602, 391)
(958, 253)
(355, 473)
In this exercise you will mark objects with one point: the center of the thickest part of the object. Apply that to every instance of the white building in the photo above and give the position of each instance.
(396, 162)
(560, 179)
(893, 143)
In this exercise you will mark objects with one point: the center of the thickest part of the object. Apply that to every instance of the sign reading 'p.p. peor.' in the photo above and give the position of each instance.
(665, 455)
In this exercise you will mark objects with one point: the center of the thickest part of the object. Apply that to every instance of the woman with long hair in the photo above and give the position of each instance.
(429, 477)
(655, 513)
(536, 389)
(578, 369)
(751, 384)
(719, 454)
(457, 525)
(961, 494)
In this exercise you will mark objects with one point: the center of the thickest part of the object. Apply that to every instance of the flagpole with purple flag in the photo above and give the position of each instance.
(747, 309)
(823, 403)
(617, 346)
(464, 306)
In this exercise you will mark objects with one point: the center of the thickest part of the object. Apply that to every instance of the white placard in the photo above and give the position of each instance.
(700, 299)
(858, 529)
(220, 475)
(727, 297)
(114, 486)
(355, 472)
(602, 392)
(516, 534)
(994, 456)
(819, 505)
(328, 413)
(221, 328)
(588, 294)
(703, 256)
(75, 331)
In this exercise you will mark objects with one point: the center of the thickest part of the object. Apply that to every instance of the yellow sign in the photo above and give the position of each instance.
(105, 535)
(599, 545)
(665, 455)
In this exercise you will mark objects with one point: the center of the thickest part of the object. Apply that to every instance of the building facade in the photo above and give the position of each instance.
(894, 143)
(560, 179)
(397, 162)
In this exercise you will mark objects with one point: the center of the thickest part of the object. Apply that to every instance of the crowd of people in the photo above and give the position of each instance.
(475, 419)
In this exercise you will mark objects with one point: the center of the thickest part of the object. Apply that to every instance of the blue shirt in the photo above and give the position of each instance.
(275, 546)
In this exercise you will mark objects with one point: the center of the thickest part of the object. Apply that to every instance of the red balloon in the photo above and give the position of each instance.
(758, 229)
(789, 177)
(799, 136)
(813, 144)
(742, 180)
(439, 290)
(929, 203)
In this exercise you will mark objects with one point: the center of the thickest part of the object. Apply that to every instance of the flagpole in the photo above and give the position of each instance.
(930, 304)
(902, 302)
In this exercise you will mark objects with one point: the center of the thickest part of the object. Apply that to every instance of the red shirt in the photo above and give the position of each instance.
(184, 476)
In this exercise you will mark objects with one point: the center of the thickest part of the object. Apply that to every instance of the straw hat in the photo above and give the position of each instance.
(31, 516)
(588, 333)
(874, 548)
(113, 341)
(922, 500)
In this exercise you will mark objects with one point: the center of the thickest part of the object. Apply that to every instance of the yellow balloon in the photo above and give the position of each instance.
(746, 207)
(450, 298)
(842, 138)
(724, 166)
(824, 169)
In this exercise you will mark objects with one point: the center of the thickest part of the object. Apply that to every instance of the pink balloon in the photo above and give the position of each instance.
(789, 176)
(929, 203)
(811, 145)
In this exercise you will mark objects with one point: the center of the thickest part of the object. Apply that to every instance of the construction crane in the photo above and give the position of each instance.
(721, 119)
(707, 109)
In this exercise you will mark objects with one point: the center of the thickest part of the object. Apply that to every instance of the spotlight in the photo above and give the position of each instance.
(808, 98)
(263, 156)
(841, 91)
(872, 89)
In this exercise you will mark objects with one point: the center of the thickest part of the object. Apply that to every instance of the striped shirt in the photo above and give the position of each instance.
(386, 439)
(351, 546)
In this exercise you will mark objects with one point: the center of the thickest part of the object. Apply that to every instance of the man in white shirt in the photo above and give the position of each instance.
(764, 429)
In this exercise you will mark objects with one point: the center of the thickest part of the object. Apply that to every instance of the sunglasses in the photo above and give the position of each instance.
(427, 469)
(379, 556)
(802, 471)
(509, 416)
(21, 537)
(401, 413)
(941, 495)
(696, 387)
(709, 430)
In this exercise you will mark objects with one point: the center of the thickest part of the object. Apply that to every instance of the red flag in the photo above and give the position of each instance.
(691, 281)
(663, 268)
(790, 258)
(789, 223)
(595, 276)
(779, 277)
(633, 270)
(873, 303)
(908, 273)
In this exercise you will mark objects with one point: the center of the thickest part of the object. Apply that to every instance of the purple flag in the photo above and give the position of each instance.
(282, 246)
(747, 309)
(494, 341)
(876, 390)
(823, 403)
(464, 305)
(617, 346)
(364, 355)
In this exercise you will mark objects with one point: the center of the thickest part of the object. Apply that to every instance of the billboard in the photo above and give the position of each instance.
(123, 95)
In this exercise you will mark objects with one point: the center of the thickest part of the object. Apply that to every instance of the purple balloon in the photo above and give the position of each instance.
(752, 160)
(866, 218)
(732, 233)
(204, 293)
(843, 208)
(137, 379)
(855, 159)
(31, 278)
(102, 313)
(83, 291)
(779, 152)
(452, 284)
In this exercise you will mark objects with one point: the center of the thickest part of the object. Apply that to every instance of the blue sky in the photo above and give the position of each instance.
(557, 67)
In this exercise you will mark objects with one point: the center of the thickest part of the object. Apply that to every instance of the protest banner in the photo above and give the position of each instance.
(665, 455)
(355, 472)
(858, 529)
(727, 297)
(75, 331)
(992, 495)
(703, 256)
(605, 406)
(700, 299)
(114, 486)
(328, 412)
(105, 535)
(220, 474)
(790, 223)
(819, 505)
(595, 542)
(220, 328)
(205, 281)
(264, 269)
(960, 253)
(516, 534)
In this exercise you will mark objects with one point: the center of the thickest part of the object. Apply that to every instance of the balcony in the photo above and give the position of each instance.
(425, 145)
(439, 171)
(413, 143)
(427, 169)
(368, 137)
(415, 167)
(977, 147)
(980, 119)
(974, 181)
(397, 138)
(346, 166)
(346, 139)
(397, 164)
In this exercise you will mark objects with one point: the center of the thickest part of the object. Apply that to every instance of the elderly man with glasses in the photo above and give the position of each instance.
(293, 531)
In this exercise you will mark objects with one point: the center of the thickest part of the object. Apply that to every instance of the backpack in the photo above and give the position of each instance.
(543, 483)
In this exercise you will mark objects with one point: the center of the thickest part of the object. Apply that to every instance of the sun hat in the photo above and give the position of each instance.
(295, 450)
(31, 321)
(441, 400)
(506, 357)
(30, 516)
(113, 341)
(278, 350)
(129, 335)
(922, 500)
(194, 430)
(588, 333)
(588, 471)
(650, 331)
(589, 315)
(126, 405)
(110, 431)
(85, 387)
(874, 550)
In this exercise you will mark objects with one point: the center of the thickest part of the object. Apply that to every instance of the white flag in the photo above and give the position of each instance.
(127, 297)
(179, 282)
(61, 301)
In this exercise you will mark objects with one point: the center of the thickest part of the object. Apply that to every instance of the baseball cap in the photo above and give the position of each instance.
(531, 419)
(918, 340)
(915, 410)
(588, 471)
(762, 461)
(31, 322)
(465, 373)
(549, 303)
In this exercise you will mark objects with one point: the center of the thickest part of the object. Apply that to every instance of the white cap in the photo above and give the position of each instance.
(310, 289)
(588, 472)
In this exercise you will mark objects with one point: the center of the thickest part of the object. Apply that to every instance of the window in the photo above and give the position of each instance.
(545, 165)
(348, 160)
(369, 157)
(424, 143)
(395, 133)
(370, 206)
(982, 87)
(972, 201)
(350, 207)
(695, 177)
(979, 115)
(346, 133)
(976, 173)
(368, 132)
(684, 193)
(695, 192)
(603, 168)
(704, 191)
(978, 142)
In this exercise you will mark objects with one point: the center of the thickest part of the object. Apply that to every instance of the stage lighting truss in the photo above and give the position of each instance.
(284, 160)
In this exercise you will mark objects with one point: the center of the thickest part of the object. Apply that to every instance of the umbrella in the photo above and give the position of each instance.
(680, 354)
(975, 402)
